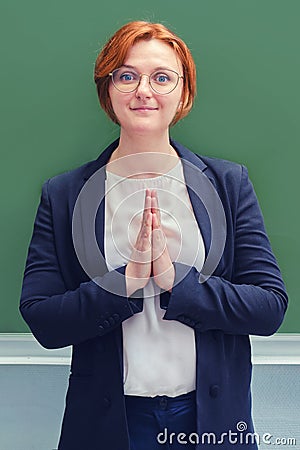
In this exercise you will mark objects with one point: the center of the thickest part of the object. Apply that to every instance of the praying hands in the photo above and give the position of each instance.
(150, 256)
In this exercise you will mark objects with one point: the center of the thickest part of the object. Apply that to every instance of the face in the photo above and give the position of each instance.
(145, 111)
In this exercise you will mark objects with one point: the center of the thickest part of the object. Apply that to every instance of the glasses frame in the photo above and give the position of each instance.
(140, 77)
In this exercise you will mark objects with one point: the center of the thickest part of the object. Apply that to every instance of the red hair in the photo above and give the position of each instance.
(115, 51)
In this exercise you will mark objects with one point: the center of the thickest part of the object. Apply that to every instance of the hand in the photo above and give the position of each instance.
(150, 254)
(138, 269)
(162, 268)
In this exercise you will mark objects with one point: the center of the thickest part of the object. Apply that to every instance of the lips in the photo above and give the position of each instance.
(144, 108)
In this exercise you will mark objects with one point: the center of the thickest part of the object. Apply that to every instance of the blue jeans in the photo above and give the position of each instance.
(155, 423)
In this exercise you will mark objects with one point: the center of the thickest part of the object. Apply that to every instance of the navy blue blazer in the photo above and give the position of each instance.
(244, 295)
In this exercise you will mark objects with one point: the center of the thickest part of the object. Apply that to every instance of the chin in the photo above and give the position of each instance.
(143, 127)
(148, 130)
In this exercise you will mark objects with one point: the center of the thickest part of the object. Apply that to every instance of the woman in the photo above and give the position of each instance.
(154, 264)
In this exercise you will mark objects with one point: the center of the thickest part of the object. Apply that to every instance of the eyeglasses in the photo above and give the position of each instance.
(161, 81)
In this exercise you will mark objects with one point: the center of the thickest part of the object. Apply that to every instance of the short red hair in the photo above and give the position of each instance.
(114, 54)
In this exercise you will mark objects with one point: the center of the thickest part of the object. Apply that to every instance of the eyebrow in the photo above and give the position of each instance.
(128, 66)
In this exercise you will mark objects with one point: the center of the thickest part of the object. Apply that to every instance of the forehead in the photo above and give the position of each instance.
(152, 53)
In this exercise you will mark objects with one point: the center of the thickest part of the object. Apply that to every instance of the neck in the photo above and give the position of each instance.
(143, 156)
(138, 143)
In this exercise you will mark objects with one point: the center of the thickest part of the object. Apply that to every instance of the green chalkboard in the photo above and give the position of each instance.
(247, 109)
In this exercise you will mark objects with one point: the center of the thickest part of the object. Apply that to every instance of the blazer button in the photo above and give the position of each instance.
(107, 402)
(214, 390)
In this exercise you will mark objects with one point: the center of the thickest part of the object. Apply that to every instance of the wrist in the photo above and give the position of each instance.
(134, 282)
(165, 280)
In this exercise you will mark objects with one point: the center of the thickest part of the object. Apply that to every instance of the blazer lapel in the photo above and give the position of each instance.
(89, 217)
(193, 169)
(208, 209)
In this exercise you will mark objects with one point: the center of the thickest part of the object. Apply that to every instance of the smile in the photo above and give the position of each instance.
(144, 108)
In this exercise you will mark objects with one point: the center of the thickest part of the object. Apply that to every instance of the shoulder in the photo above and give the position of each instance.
(70, 176)
(66, 185)
(221, 166)
(215, 166)
(232, 184)
(225, 171)
(78, 176)
(221, 172)
(229, 178)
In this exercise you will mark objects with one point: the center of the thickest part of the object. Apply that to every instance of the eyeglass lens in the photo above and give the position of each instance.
(162, 81)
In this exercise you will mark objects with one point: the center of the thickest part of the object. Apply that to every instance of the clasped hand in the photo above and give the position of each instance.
(150, 256)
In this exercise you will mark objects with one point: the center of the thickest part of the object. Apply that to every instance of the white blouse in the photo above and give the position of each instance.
(159, 355)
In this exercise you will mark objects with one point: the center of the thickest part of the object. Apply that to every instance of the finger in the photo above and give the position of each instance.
(147, 225)
(154, 205)
(147, 206)
(142, 250)
(155, 221)
(144, 235)
(159, 244)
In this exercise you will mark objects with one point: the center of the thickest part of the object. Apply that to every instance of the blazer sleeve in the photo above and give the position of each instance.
(254, 300)
(59, 317)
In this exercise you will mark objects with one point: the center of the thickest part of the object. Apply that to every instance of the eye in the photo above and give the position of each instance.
(127, 77)
(161, 78)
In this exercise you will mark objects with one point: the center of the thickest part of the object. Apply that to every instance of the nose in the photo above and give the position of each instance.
(143, 90)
